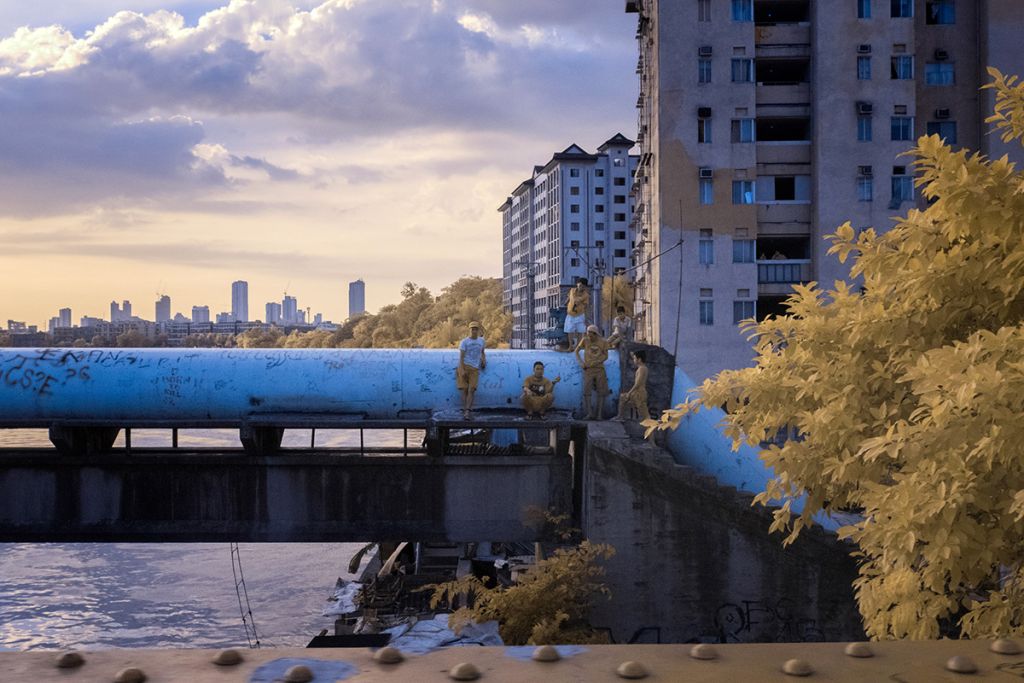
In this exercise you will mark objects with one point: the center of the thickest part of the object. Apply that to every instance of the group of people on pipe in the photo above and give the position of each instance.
(538, 391)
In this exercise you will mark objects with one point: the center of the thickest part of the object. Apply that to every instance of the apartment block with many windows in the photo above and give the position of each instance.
(765, 124)
(570, 219)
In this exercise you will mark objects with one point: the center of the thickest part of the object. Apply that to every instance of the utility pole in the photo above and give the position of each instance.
(598, 273)
(530, 268)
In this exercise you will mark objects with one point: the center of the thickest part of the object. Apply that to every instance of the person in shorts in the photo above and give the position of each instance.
(576, 312)
(472, 361)
(636, 397)
(622, 328)
(538, 391)
(595, 353)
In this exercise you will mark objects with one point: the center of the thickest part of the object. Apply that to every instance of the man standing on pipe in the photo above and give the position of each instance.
(595, 353)
(471, 361)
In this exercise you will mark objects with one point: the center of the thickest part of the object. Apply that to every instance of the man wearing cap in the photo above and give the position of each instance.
(595, 353)
(576, 311)
(471, 361)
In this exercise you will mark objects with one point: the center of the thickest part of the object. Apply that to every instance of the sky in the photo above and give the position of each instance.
(162, 146)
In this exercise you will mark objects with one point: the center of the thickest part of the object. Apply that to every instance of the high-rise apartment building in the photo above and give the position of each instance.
(289, 310)
(64, 317)
(163, 309)
(356, 298)
(765, 124)
(570, 219)
(115, 311)
(240, 300)
(200, 314)
(273, 313)
(126, 310)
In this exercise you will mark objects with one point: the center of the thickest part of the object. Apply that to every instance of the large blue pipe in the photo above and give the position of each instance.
(225, 385)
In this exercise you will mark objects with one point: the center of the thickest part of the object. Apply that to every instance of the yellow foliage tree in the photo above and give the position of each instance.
(616, 290)
(907, 397)
(547, 606)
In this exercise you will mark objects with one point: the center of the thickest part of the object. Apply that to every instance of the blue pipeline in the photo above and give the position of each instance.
(229, 384)
(699, 442)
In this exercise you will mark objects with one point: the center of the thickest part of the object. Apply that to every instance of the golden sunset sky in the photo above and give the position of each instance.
(168, 146)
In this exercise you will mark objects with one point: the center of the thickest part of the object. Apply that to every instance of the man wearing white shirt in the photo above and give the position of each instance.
(471, 361)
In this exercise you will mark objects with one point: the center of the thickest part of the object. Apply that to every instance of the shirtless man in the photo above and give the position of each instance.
(576, 312)
(538, 391)
(595, 352)
(472, 361)
(636, 397)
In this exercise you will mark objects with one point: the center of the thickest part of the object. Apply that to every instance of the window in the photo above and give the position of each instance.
(620, 182)
(901, 9)
(599, 244)
(902, 128)
(598, 226)
(939, 12)
(902, 186)
(863, 9)
(574, 208)
(706, 248)
(785, 188)
(938, 73)
(944, 129)
(865, 189)
(707, 312)
(703, 130)
(574, 173)
(619, 253)
(743, 130)
(619, 235)
(598, 208)
(703, 10)
(863, 128)
(743, 251)
(599, 173)
(574, 262)
(863, 68)
(742, 310)
(574, 226)
(902, 67)
(707, 191)
(743, 192)
(619, 199)
(743, 70)
(574, 191)
(619, 217)
(742, 10)
(703, 70)
(598, 190)
(574, 244)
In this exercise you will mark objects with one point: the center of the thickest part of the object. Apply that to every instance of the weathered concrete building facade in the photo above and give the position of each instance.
(765, 124)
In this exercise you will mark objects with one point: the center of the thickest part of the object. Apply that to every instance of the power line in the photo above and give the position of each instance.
(243, 594)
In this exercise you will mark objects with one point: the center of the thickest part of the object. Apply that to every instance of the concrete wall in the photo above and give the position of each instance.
(694, 558)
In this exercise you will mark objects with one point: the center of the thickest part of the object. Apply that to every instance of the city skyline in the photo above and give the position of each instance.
(270, 138)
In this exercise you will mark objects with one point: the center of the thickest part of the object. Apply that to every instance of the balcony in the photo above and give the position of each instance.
(784, 152)
(798, 34)
(777, 276)
(789, 213)
(793, 93)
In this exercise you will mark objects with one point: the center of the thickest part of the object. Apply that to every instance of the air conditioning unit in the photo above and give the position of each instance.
(942, 113)
(706, 172)
(864, 171)
(863, 49)
(941, 55)
(865, 108)
(704, 112)
(704, 51)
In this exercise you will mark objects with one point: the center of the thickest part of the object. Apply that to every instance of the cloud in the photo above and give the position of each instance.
(125, 110)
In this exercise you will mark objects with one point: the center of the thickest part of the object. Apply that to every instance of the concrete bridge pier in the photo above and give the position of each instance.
(83, 440)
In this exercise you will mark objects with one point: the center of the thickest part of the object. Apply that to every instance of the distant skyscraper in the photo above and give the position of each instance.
(115, 311)
(200, 314)
(225, 317)
(289, 310)
(54, 323)
(273, 313)
(163, 309)
(126, 310)
(64, 317)
(240, 300)
(356, 298)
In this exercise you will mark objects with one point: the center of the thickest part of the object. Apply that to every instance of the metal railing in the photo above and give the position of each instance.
(783, 271)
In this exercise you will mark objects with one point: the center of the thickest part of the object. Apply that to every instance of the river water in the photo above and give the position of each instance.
(99, 595)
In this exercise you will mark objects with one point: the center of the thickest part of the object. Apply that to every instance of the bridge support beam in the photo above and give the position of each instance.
(83, 440)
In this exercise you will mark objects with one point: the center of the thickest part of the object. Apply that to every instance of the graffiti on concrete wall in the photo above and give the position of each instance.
(764, 620)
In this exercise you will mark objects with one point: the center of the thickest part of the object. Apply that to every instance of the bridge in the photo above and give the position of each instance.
(452, 479)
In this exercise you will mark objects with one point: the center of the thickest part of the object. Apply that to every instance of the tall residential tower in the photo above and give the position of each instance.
(356, 298)
(240, 301)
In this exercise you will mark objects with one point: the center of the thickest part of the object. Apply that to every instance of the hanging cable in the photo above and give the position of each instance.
(243, 595)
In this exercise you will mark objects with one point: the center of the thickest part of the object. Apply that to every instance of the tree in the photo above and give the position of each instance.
(906, 398)
(616, 290)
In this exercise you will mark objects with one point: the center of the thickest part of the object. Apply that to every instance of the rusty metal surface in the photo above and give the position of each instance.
(899, 662)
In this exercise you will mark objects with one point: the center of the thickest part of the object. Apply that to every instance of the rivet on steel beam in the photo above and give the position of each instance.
(631, 669)
(227, 657)
(703, 651)
(859, 649)
(464, 671)
(1005, 646)
(797, 667)
(130, 675)
(299, 673)
(70, 660)
(388, 655)
(546, 653)
(961, 665)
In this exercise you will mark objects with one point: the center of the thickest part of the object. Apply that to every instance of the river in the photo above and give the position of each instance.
(101, 595)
